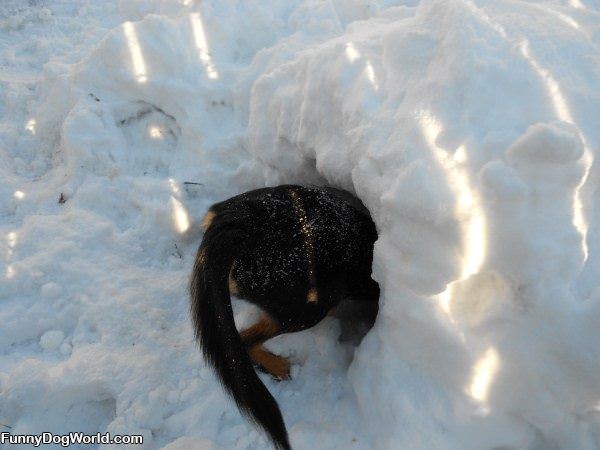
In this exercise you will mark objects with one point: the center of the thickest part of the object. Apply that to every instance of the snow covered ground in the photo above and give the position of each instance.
(468, 127)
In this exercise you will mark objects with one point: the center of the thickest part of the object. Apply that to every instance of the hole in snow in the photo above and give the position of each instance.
(356, 319)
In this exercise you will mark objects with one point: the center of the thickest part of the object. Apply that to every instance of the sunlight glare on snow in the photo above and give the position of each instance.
(30, 126)
(578, 217)
(371, 75)
(202, 45)
(460, 155)
(577, 4)
(11, 239)
(155, 132)
(486, 18)
(351, 53)
(444, 300)
(173, 186)
(181, 218)
(475, 245)
(566, 19)
(484, 372)
(468, 208)
(558, 100)
(563, 112)
(137, 58)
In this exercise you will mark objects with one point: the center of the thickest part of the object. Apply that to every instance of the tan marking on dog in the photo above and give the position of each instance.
(313, 295)
(233, 287)
(207, 220)
(309, 245)
(262, 330)
(276, 366)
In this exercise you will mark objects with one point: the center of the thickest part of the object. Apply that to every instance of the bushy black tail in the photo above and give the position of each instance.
(214, 325)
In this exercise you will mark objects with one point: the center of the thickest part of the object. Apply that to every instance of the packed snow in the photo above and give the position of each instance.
(469, 128)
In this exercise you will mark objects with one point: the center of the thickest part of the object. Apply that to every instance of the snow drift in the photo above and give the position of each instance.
(468, 128)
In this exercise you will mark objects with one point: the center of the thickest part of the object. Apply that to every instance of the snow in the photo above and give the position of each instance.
(52, 339)
(467, 127)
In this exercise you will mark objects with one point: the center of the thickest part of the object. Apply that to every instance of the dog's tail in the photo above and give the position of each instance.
(214, 325)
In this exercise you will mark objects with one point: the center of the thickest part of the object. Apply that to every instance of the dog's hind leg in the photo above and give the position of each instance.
(298, 315)
(266, 328)
(276, 366)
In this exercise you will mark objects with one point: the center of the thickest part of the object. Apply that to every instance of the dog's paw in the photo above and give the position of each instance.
(277, 366)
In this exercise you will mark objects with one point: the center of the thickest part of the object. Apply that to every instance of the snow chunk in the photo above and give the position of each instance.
(52, 339)
(555, 143)
(51, 290)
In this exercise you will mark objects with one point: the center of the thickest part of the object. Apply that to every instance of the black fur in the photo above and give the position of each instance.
(258, 237)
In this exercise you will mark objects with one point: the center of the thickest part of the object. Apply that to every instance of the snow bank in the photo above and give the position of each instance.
(467, 128)
(456, 137)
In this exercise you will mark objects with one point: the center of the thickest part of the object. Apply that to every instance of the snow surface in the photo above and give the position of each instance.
(467, 127)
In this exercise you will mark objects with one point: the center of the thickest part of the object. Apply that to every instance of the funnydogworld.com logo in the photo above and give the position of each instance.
(73, 438)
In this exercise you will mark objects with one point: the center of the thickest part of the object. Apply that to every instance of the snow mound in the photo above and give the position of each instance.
(469, 130)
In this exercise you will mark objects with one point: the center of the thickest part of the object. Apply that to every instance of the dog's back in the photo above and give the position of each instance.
(295, 252)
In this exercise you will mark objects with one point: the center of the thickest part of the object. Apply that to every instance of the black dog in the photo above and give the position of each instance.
(295, 252)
